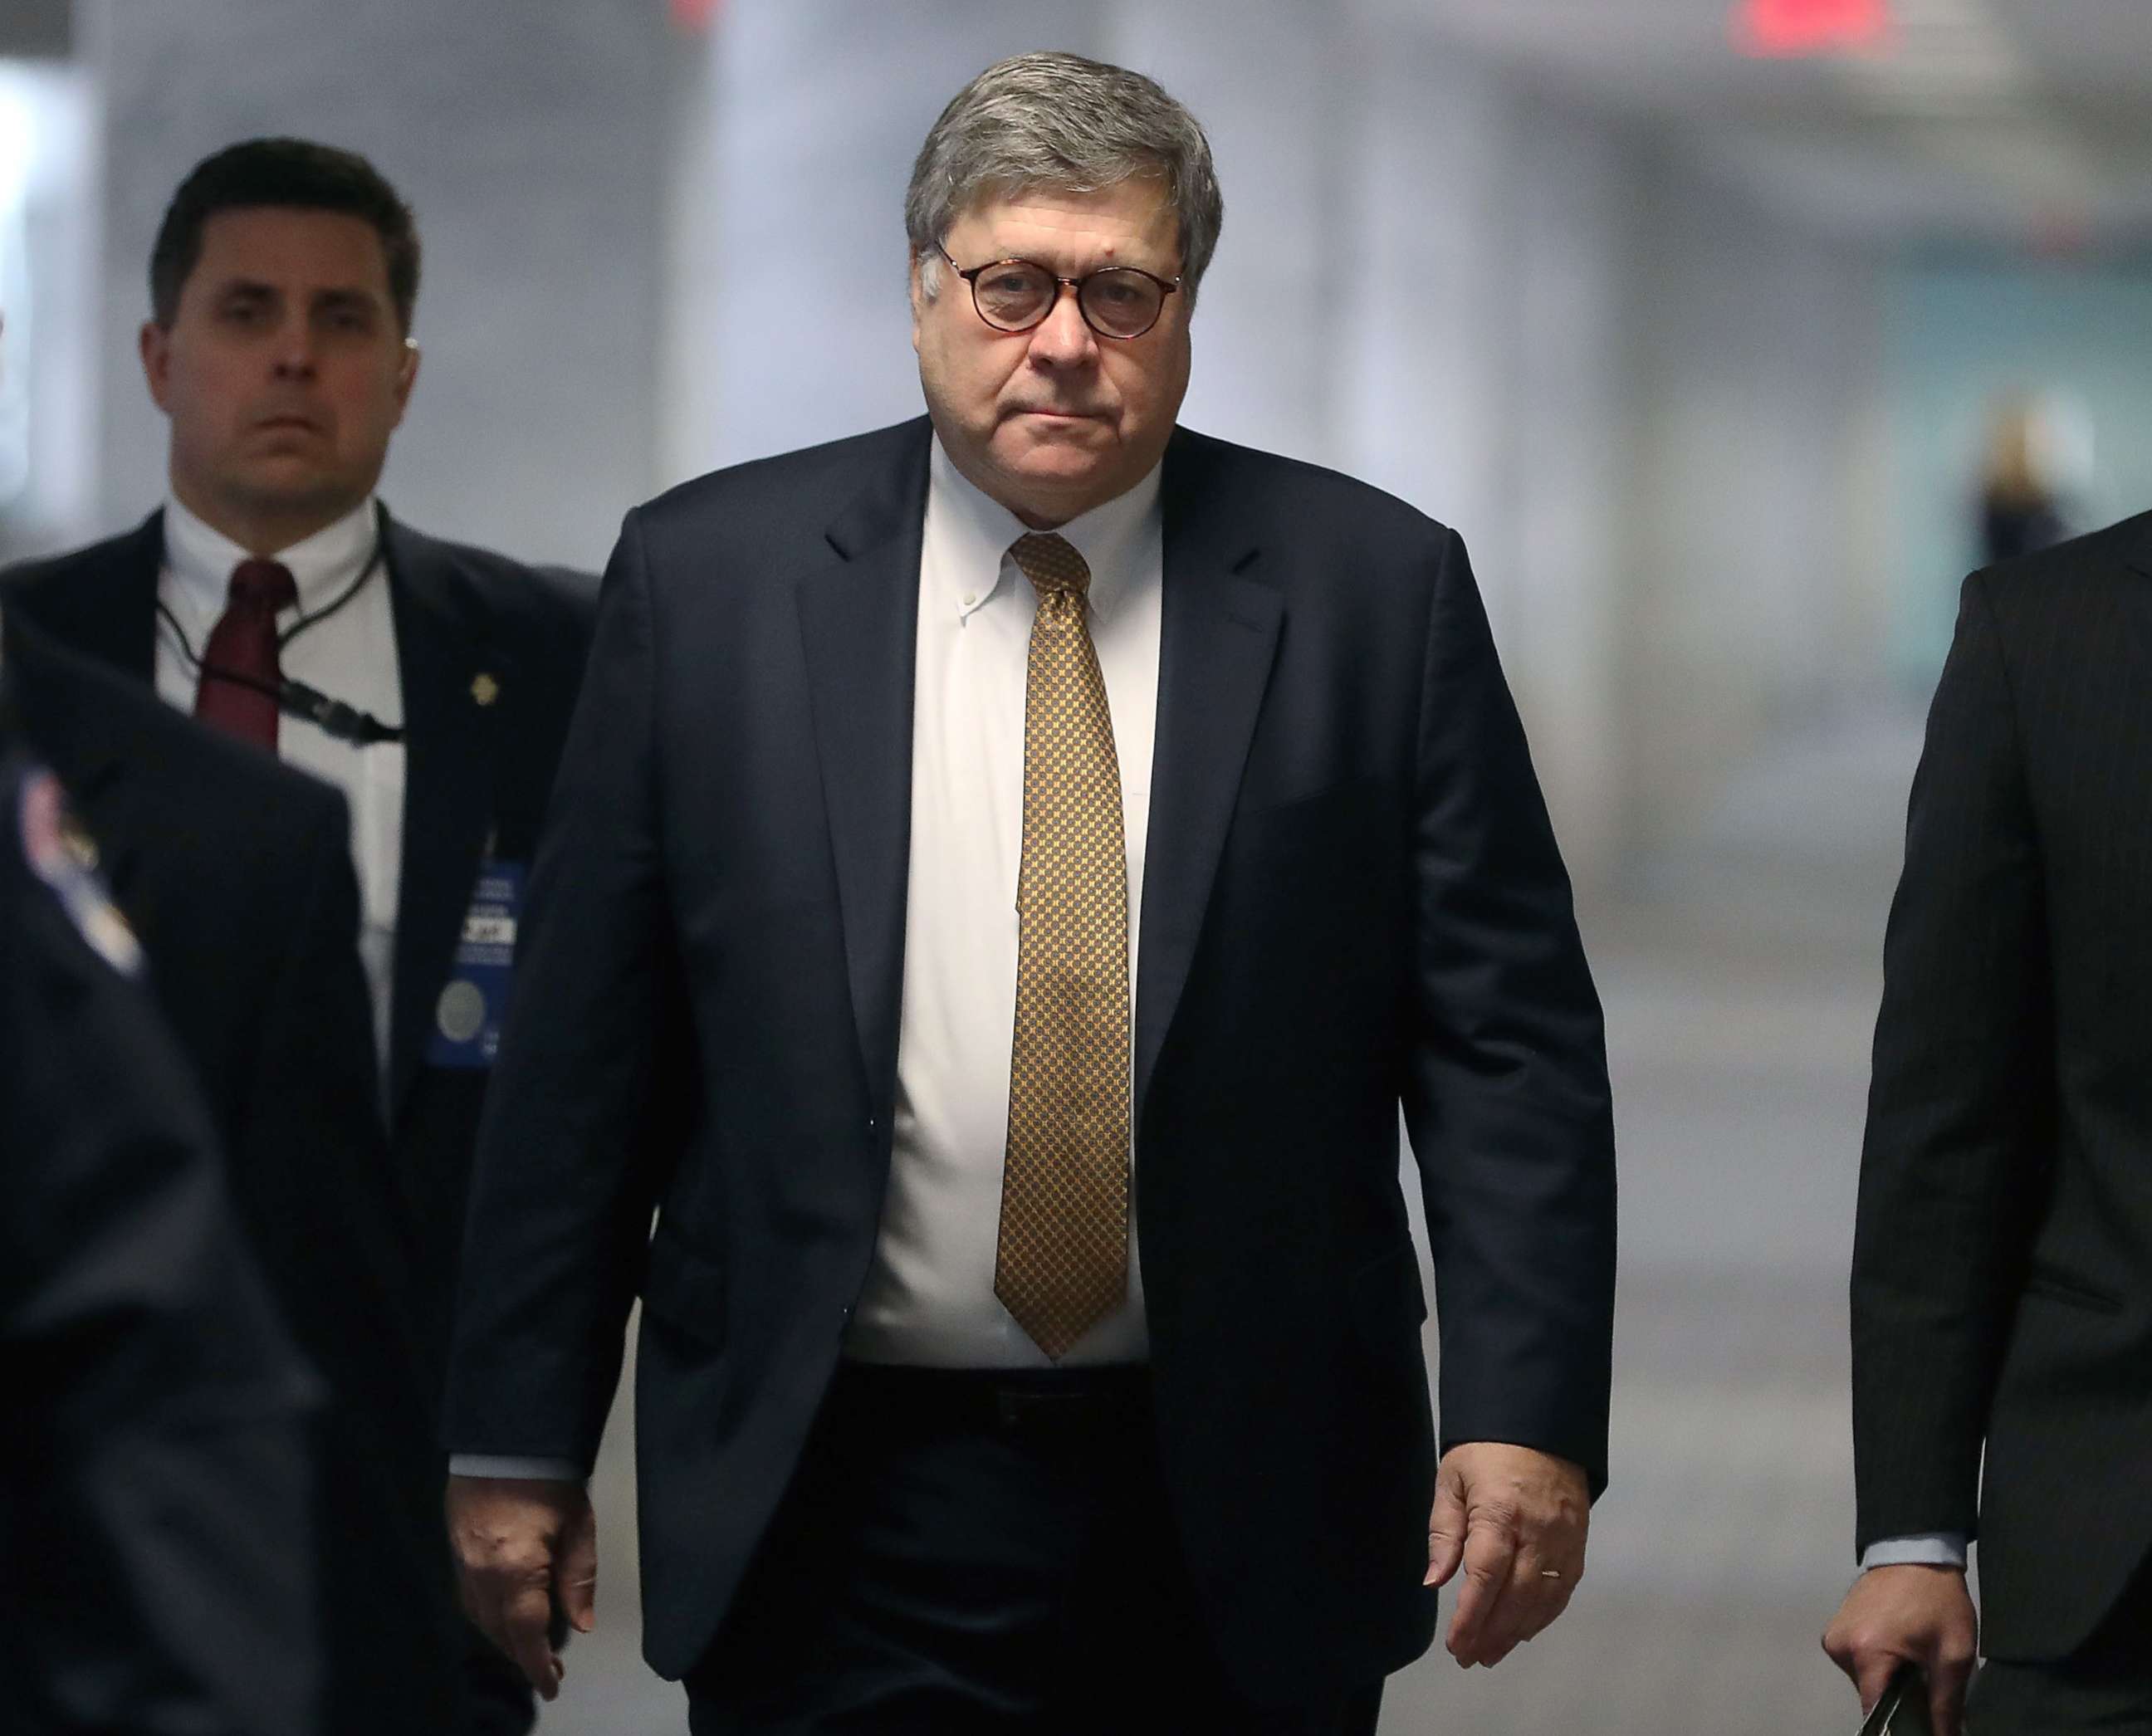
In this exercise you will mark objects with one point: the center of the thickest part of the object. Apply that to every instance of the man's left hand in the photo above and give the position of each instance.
(1514, 1520)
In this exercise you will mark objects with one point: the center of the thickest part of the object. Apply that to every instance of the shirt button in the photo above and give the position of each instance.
(970, 598)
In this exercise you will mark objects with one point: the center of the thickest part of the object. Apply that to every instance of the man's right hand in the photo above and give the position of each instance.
(519, 1543)
(1909, 1614)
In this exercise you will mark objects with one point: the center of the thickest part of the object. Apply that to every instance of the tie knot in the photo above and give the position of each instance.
(1051, 563)
(265, 584)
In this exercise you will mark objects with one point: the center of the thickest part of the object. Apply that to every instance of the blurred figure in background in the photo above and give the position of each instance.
(152, 1451)
(2001, 1281)
(2020, 513)
(984, 842)
(275, 599)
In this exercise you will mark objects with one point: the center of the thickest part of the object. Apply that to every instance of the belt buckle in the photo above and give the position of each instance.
(1058, 1415)
(1013, 1407)
(1022, 1409)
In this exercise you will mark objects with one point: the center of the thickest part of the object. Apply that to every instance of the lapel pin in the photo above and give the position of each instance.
(485, 688)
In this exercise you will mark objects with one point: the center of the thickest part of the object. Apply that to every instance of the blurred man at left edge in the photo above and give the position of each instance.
(153, 1447)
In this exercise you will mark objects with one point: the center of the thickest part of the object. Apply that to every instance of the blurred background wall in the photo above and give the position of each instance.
(1697, 317)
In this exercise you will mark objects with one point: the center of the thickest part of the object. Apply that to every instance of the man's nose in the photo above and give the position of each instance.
(1062, 339)
(294, 354)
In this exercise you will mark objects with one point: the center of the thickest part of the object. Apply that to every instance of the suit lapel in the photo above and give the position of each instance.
(448, 753)
(1217, 637)
(859, 622)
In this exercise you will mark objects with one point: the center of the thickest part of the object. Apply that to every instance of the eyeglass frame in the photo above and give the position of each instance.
(1167, 287)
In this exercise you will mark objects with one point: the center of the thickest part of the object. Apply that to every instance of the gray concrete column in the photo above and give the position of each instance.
(1424, 338)
(1565, 393)
(531, 138)
(49, 347)
(1482, 370)
(1750, 544)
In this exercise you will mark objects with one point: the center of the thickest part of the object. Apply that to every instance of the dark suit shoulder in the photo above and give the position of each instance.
(548, 601)
(53, 588)
(1296, 500)
(128, 550)
(2121, 554)
(2058, 618)
(43, 570)
(815, 481)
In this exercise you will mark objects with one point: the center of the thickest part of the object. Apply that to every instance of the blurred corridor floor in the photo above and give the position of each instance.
(1740, 979)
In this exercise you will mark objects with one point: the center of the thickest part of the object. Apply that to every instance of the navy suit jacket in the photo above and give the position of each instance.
(1353, 899)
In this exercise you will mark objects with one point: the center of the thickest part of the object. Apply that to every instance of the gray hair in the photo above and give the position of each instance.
(1059, 121)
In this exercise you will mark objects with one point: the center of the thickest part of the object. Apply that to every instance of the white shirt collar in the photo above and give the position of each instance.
(200, 557)
(980, 530)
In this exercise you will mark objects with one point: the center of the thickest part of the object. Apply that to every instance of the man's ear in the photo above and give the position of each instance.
(918, 293)
(155, 346)
(407, 375)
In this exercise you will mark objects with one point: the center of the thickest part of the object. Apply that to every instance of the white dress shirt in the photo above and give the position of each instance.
(349, 655)
(930, 1293)
(1926, 1549)
(929, 1299)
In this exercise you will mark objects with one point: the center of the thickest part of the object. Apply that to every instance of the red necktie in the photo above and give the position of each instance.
(243, 644)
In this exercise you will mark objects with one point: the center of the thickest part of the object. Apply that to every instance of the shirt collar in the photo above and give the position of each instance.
(201, 557)
(979, 531)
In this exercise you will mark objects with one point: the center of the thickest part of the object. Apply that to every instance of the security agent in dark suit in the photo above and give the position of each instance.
(234, 873)
(1007, 872)
(154, 1446)
(2002, 1254)
(274, 597)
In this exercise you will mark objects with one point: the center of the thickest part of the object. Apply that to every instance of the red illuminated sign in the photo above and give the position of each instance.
(695, 14)
(1785, 29)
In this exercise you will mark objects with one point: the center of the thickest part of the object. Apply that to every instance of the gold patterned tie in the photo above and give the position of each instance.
(1062, 1260)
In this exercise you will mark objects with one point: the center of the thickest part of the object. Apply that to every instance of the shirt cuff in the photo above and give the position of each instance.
(489, 1464)
(1924, 1549)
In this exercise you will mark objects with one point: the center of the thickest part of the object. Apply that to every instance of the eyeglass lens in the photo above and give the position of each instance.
(1120, 303)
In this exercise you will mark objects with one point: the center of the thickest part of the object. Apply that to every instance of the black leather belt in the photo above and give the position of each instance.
(1035, 1404)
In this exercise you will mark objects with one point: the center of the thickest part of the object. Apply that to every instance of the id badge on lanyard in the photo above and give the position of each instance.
(467, 1018)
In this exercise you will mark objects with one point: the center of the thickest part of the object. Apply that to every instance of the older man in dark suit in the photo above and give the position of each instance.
(1007, 871)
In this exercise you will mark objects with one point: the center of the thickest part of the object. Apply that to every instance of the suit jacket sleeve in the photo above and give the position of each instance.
(586, 1110)
(1958, 1106)
(1507, 1102)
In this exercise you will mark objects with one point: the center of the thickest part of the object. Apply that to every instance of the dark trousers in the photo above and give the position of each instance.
(975, 1555)
(2105, 1685)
